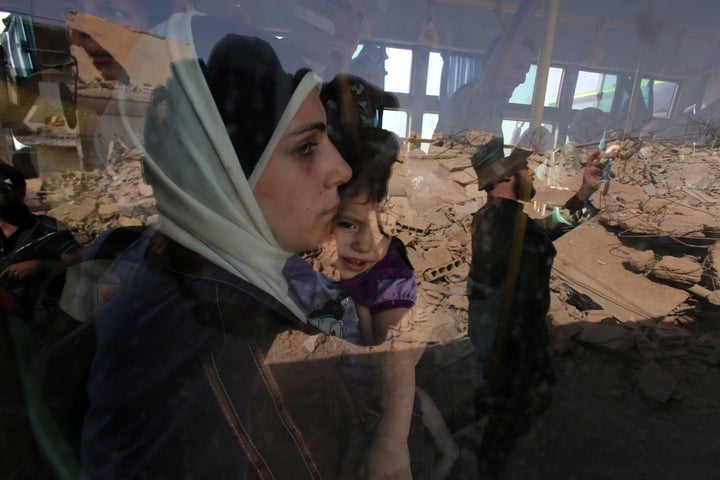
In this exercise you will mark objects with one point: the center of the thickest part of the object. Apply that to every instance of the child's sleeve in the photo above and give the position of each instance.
(394, 293)
(326, 306)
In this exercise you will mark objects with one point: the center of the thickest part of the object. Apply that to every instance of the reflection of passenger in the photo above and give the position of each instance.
(322, 36)
(507, 312)
(30, 245)
(125, 12)
(349, 26)
(370, 64)
(587, 126)
(481, 105)
(244, 175)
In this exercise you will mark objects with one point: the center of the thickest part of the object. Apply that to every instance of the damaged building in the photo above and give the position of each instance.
(634, 320)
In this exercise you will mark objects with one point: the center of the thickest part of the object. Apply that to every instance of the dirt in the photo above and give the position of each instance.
(603, 423)
(601, 426)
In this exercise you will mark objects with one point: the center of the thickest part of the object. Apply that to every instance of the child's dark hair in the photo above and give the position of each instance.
(370, 154)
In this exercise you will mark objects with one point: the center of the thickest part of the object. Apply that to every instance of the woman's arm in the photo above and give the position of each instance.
(388, 454)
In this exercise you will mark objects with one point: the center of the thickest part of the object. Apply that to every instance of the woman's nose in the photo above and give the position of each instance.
(339, 170)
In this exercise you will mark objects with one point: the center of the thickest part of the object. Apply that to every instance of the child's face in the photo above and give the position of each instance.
(360, 243)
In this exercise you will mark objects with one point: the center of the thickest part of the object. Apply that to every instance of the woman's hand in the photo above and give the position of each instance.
(21, 270)
(386, 459)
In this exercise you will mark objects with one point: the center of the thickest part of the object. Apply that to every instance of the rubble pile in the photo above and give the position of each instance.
(666, 190)
(647, 267)
(91, 202)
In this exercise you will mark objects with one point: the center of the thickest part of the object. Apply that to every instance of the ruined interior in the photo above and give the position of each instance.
(635, 315)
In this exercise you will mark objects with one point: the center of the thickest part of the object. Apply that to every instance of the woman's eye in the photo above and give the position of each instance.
(307, 148)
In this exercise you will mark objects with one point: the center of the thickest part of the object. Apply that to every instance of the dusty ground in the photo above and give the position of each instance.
(644, 407)
(600, 426)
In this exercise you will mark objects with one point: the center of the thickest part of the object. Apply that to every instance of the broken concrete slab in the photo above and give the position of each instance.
(596, 316)
(71, 213)
(146, 58)
(610, 337)
(437, 257)
(586, 262)
(681, 272)
(669, 336)
(641, 262)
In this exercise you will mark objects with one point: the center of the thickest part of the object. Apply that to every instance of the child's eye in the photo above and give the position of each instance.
(345, 225)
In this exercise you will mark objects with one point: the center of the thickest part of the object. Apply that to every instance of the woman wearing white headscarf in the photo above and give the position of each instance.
(244, 176)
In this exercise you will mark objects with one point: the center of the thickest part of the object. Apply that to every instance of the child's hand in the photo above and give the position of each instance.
(592, 175)
(386, 459)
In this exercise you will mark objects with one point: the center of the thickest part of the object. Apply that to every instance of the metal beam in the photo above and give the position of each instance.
(585, 19)
(632, 107)
(543, 67)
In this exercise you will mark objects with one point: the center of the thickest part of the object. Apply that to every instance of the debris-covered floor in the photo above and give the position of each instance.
(635, 320)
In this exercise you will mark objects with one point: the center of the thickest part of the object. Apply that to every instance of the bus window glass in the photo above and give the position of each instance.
(594, 89)
(663, 95)
(429, 121)
(399, 66)
(434, 73)
(396, 122)
(524, 92)
(514, 129)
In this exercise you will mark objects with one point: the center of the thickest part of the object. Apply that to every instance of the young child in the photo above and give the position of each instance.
(376, 292)
(374, 271)
(373, 266)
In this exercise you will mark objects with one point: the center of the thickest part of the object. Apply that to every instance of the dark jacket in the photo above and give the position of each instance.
(180, 386)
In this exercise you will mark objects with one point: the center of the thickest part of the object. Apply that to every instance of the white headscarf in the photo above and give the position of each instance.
(205, 201)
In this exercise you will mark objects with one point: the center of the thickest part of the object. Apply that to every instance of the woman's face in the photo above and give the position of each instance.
(297, 191)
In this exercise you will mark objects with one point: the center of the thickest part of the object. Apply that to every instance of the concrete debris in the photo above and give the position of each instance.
(603, 294)
(311, 343)
(91, 202)
(682, 272)
(713, 297)
(591, 260)
(669, 336)
(641, 262)
(146, 58)
(596, 316)
(610, 337)
(656, 382)
(713, 260)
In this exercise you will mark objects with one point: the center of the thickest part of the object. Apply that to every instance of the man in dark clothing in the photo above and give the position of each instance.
(29, 244)
(508, 288)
